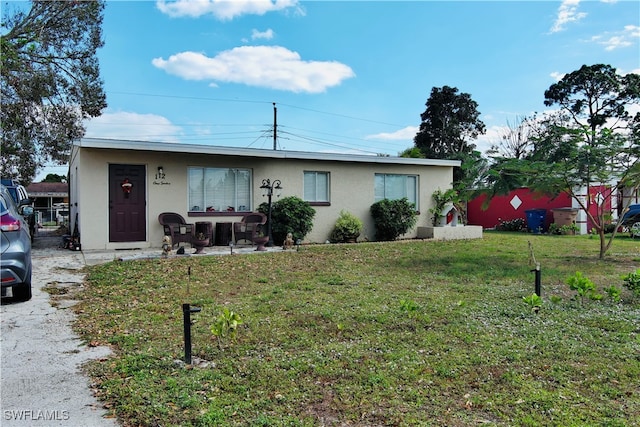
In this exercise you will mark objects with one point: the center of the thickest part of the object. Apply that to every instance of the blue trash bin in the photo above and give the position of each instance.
(535, 220)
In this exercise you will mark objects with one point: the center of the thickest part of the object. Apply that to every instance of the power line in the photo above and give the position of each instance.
(257, 102)
(209, 136)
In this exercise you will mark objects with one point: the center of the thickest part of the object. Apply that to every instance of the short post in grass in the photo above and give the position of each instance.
(538, 283)
(537, 271)
(186, 315)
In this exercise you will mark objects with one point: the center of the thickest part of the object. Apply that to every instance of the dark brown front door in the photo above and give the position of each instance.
(127, 201)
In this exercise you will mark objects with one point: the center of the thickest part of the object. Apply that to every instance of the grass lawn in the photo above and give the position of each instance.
(372, 334)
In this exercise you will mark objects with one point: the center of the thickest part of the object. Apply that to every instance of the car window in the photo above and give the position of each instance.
(3, 207)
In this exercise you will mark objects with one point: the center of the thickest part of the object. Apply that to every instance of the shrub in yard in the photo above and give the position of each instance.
(563, 229)
(632, 282)
(517, 224)
(393, 218)
(347, 228)
(289, 215)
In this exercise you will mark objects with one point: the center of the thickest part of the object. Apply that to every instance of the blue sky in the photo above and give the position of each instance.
(345, 76)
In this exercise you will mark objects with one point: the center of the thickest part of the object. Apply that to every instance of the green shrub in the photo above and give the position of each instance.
(347, 227)
(393, 218)
(517, 224)
(563, 229)
(289, 215)
(632, 282)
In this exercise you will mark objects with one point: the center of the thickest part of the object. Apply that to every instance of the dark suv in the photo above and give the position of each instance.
(21, 197)
(15, 247)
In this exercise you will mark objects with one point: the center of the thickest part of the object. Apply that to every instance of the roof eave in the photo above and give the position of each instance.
(254, 152)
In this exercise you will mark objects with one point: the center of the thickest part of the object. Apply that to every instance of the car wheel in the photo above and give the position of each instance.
(22, 292)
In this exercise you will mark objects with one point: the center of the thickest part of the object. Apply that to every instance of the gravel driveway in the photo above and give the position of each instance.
(42, 384)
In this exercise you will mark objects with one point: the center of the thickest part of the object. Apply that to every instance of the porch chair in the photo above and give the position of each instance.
(175, 226)
(249, 226)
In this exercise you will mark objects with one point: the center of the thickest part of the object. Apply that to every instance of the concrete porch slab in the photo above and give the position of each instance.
(450, 233)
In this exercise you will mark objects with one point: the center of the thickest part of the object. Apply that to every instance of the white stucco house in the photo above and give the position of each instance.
(118, 188)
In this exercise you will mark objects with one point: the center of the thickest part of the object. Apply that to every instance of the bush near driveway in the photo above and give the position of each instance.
(396, 333)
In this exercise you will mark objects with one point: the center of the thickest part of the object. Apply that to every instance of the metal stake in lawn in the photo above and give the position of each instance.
(186, 317)
(186, 314)
(532, 259)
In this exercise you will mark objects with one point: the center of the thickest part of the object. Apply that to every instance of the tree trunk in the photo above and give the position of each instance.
(603, 242)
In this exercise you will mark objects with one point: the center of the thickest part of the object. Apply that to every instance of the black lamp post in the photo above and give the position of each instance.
(268, 189)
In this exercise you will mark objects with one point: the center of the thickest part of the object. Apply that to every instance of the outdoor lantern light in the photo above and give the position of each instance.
(231, 246)
(160, 174)
(298, 242)
(268, 190)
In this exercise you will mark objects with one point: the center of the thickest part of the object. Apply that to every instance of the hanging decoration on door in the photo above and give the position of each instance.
(126, 187)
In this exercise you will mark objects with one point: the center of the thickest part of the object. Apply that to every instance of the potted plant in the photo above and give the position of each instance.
(200, 240)
(260, 239)
(347, 228)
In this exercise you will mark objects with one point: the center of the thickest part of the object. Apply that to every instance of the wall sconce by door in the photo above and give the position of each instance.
(160, 175)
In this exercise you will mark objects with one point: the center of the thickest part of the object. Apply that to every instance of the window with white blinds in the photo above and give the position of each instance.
(395, 186)
(219, 189)
(316, 186)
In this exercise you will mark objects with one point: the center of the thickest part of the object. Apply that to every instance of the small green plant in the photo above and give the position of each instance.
(534, 301)
(393, 218)
(556, 299)
(613, 292)
(412, 309)
(347, 228)
(226, 325)
(583, 286)
(632, 282)
(409, 306)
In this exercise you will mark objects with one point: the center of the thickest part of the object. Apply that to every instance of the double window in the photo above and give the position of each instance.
(219, 189)
(316, 187)
(396, 186)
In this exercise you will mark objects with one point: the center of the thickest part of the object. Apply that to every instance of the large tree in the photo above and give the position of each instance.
(50, 81)
(449, 123)
(592, 139)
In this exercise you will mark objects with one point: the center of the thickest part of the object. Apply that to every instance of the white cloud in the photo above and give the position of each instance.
(625, 38)
(407, 133)
(557, 76)
(272, 67)
(567, 13)
(224, 10)
(132, 126)
(268, 34)
(493, 135)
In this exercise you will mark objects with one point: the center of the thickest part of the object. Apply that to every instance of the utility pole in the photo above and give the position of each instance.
(275, 125)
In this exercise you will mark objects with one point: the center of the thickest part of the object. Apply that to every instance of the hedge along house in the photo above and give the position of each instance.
(118, 188)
